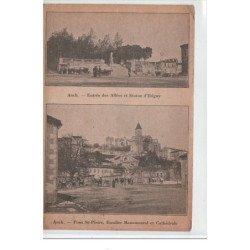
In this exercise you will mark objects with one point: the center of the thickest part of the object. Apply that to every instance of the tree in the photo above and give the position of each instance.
(60, 44)
(146, 143)
(86, 46)
(122, 148)
(149, 160)
(117, 43)
(147, 53)
(105, 48)
(72, 158)
(129, 52)
(96, 145)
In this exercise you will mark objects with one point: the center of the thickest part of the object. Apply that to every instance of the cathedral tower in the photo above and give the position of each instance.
(138, 130)
(138, 138)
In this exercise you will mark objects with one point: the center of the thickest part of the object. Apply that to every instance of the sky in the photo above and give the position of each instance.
(168, 124)
(164, 33)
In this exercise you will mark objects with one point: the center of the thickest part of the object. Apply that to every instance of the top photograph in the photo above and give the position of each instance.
(118, 46)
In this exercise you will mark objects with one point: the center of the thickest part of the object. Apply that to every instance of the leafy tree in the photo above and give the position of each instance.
(149, 160)
(105, 48)
(117, 41)
(129, 52)
(96, 145)
(60, 44)
(86, 46)
(72, 159)
(146, 143)
(147, 52)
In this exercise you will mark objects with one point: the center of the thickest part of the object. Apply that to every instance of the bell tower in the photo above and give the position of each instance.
(138, 138)
(138, 130)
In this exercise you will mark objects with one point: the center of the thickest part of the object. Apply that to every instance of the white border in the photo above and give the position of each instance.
(199, 222)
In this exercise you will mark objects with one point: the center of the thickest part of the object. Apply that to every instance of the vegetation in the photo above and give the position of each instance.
(88, 46)
(151, 160)
(73, 159)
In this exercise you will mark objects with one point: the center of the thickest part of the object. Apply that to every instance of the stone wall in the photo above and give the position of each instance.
(51, 167)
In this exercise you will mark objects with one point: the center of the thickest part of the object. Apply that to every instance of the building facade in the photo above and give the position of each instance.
(136, 142)
(172, 154)
(127, 161)
(166, 67)
(184, 58)
(74, 65)
(105, 171)
(51, 159)
(143, 143)
(183, 159)
(121, 142)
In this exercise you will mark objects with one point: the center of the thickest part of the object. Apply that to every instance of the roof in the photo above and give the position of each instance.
(107, 167)
(150, 169)
(184, 156)
(52, 120)
(76, 136)
(175, 149)
(111, 176)
(138, 126)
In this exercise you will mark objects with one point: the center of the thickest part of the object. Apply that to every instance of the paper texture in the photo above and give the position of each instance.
(118, 117)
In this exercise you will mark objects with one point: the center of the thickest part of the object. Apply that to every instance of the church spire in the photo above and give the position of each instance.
(138, 126)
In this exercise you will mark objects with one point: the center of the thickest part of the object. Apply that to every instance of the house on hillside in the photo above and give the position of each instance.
(105, 171)
(150, 175)
(126, 161)
(183, 159)
(157, 175)
(172, 154)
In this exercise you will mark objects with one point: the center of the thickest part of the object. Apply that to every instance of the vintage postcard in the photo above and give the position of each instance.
(121, 46)
(118, 117)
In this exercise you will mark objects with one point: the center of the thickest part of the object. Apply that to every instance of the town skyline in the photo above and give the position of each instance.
(97, 122)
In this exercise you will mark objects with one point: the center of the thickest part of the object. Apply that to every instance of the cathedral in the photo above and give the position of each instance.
(140, 143)
(136, 142)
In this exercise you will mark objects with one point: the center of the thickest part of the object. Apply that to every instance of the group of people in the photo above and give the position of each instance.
(122, 181)
(97, 71)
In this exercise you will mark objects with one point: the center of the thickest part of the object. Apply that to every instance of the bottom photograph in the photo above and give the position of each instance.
(115, 160)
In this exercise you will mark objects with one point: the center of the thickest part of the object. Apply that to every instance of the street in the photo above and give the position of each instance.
(132, 199)
(108, 81)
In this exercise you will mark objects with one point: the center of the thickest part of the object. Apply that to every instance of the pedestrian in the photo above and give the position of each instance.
(95, 71)
(113, 183)
(99, 71)
(129, 72)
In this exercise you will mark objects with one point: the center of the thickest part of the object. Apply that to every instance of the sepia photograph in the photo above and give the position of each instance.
(117, 49)
(114, 159)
